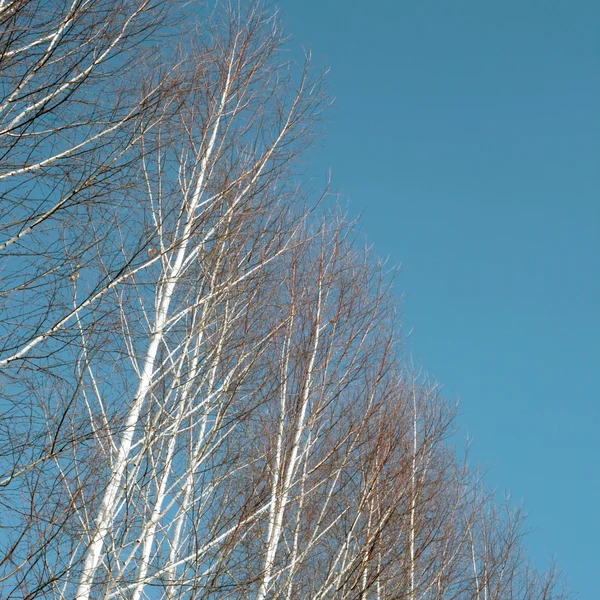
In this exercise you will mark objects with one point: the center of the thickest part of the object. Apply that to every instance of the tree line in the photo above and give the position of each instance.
(204, 390)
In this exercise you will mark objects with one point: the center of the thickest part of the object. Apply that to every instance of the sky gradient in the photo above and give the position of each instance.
(467, 135)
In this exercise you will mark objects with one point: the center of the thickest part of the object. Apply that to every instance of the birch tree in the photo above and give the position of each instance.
(204, 388)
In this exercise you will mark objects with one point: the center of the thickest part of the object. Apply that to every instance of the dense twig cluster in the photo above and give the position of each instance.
(203, 391)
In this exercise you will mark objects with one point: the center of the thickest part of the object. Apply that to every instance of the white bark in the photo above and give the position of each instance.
(280, 492)
(165, 293)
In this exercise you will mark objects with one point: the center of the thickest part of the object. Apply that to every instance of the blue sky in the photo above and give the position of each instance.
(467, 133)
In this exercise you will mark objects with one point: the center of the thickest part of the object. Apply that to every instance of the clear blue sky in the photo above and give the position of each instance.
(468, 132)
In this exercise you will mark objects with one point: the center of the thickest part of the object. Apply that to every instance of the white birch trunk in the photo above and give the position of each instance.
(280, 496)
(165, 292)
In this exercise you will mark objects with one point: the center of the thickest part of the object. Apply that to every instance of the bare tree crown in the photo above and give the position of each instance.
(203, 388)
